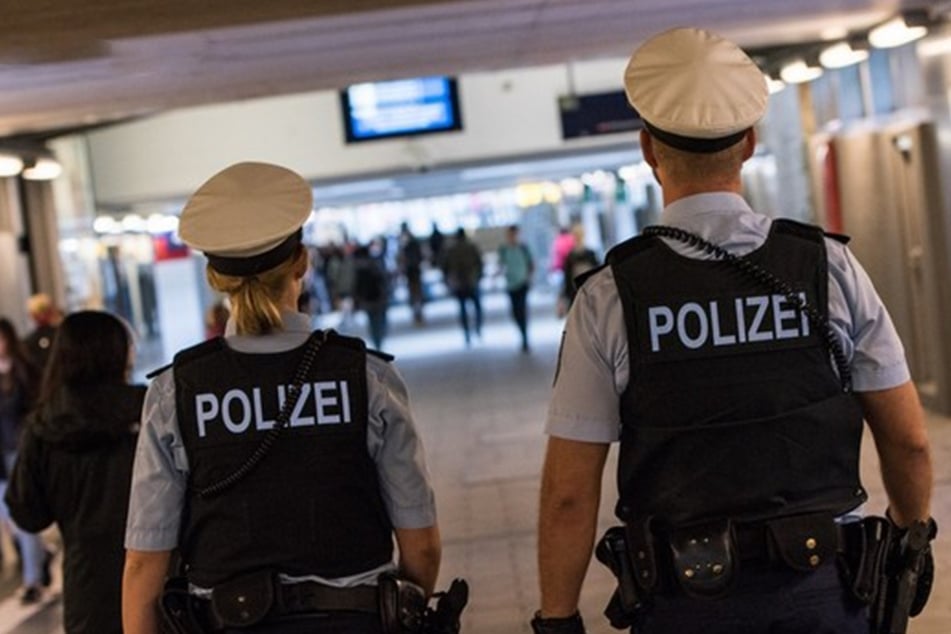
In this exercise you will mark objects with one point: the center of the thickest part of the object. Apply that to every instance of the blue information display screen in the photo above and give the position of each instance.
(400, 108)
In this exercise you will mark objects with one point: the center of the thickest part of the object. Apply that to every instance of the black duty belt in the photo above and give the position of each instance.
(310, 596)
(260, 600)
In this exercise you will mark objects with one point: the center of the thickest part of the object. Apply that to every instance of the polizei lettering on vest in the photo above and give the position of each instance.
(698, 324)
(322, 403)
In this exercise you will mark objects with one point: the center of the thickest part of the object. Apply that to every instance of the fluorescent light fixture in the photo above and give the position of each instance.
(134, 223)
(44, 169)
(158, 224)
(798, 72)
(572, 187)
(774, 85)
(841, 55)
(895, 33)
(10, 165)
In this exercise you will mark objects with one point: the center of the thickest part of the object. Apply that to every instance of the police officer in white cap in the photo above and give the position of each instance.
(734, 358)
(278, 462)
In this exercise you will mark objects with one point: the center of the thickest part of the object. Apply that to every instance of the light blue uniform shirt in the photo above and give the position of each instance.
(594, 366)
(159, 477)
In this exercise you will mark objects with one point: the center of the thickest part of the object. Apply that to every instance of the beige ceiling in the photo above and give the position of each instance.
(73, 63)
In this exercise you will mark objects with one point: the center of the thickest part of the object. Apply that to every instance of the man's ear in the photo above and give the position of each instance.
(647, 148)
(750, 141)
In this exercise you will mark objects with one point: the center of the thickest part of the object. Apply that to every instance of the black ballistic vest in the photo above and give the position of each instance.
(313, 505)
(733, 408)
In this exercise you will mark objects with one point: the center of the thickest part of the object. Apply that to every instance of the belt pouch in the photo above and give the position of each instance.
(642, 554)
(704, 559)
(804, 542)
(244, 601)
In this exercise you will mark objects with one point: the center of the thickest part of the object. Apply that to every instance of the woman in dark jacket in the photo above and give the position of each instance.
(75, 464)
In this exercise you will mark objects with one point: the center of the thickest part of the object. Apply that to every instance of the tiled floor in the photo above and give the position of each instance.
(481, 413)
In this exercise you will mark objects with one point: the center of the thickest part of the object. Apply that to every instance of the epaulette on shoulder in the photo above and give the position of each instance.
(183, 357)
(838, 237)
(388, 358)
(154, 373)
(355, 343)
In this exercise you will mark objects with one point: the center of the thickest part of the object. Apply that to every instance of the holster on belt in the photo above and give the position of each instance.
(402, 605)
(629, 554)
(865, 552)
(179, 611)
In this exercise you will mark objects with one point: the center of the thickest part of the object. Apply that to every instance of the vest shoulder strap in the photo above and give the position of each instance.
(807, 231)
(628, 248)
(186, 356)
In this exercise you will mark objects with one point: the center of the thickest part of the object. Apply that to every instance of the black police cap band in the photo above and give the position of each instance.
(244, 267)
(694, 144)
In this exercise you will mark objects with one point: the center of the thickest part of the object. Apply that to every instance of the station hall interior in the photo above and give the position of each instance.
(441, 115)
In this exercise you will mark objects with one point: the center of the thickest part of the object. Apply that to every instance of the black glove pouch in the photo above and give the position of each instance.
(804, 542)
(704, 559)
(402, 605)
(244, 601)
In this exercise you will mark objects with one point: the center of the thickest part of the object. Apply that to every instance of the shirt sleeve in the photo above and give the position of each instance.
(159, 474)
(864, 326)
(592, 366)
(395, 446)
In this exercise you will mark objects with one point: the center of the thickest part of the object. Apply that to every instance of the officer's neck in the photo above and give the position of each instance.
(288, 299)
(674, 191)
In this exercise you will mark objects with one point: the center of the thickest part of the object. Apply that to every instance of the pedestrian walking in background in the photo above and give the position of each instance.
(19, 384)
(46, 317)
(578, 261)
(515, 262)
(410, 262)
(462, 268)
(74, 466)
(371, 291)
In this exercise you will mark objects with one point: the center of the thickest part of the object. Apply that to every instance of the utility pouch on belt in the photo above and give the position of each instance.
(627, 602)
(864, 555)
(402, 605)
(244, 601)
(704, 559)
(804, 542)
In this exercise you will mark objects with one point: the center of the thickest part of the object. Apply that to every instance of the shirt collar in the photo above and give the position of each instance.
(292, 320)
(686, 212)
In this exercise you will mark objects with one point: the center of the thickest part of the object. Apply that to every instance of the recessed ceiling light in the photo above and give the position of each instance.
(841, 55)
(798, 72)
(895, 33)
(10, 165)
(45, 169)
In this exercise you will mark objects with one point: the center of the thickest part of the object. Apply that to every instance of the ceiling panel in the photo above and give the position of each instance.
(65, 63)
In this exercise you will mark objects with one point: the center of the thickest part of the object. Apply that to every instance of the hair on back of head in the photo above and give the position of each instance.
(91, 347)
(256, 299)
(695, 167)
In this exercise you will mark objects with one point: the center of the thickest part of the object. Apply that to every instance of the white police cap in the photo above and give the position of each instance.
(247, 218)
(695, 90)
